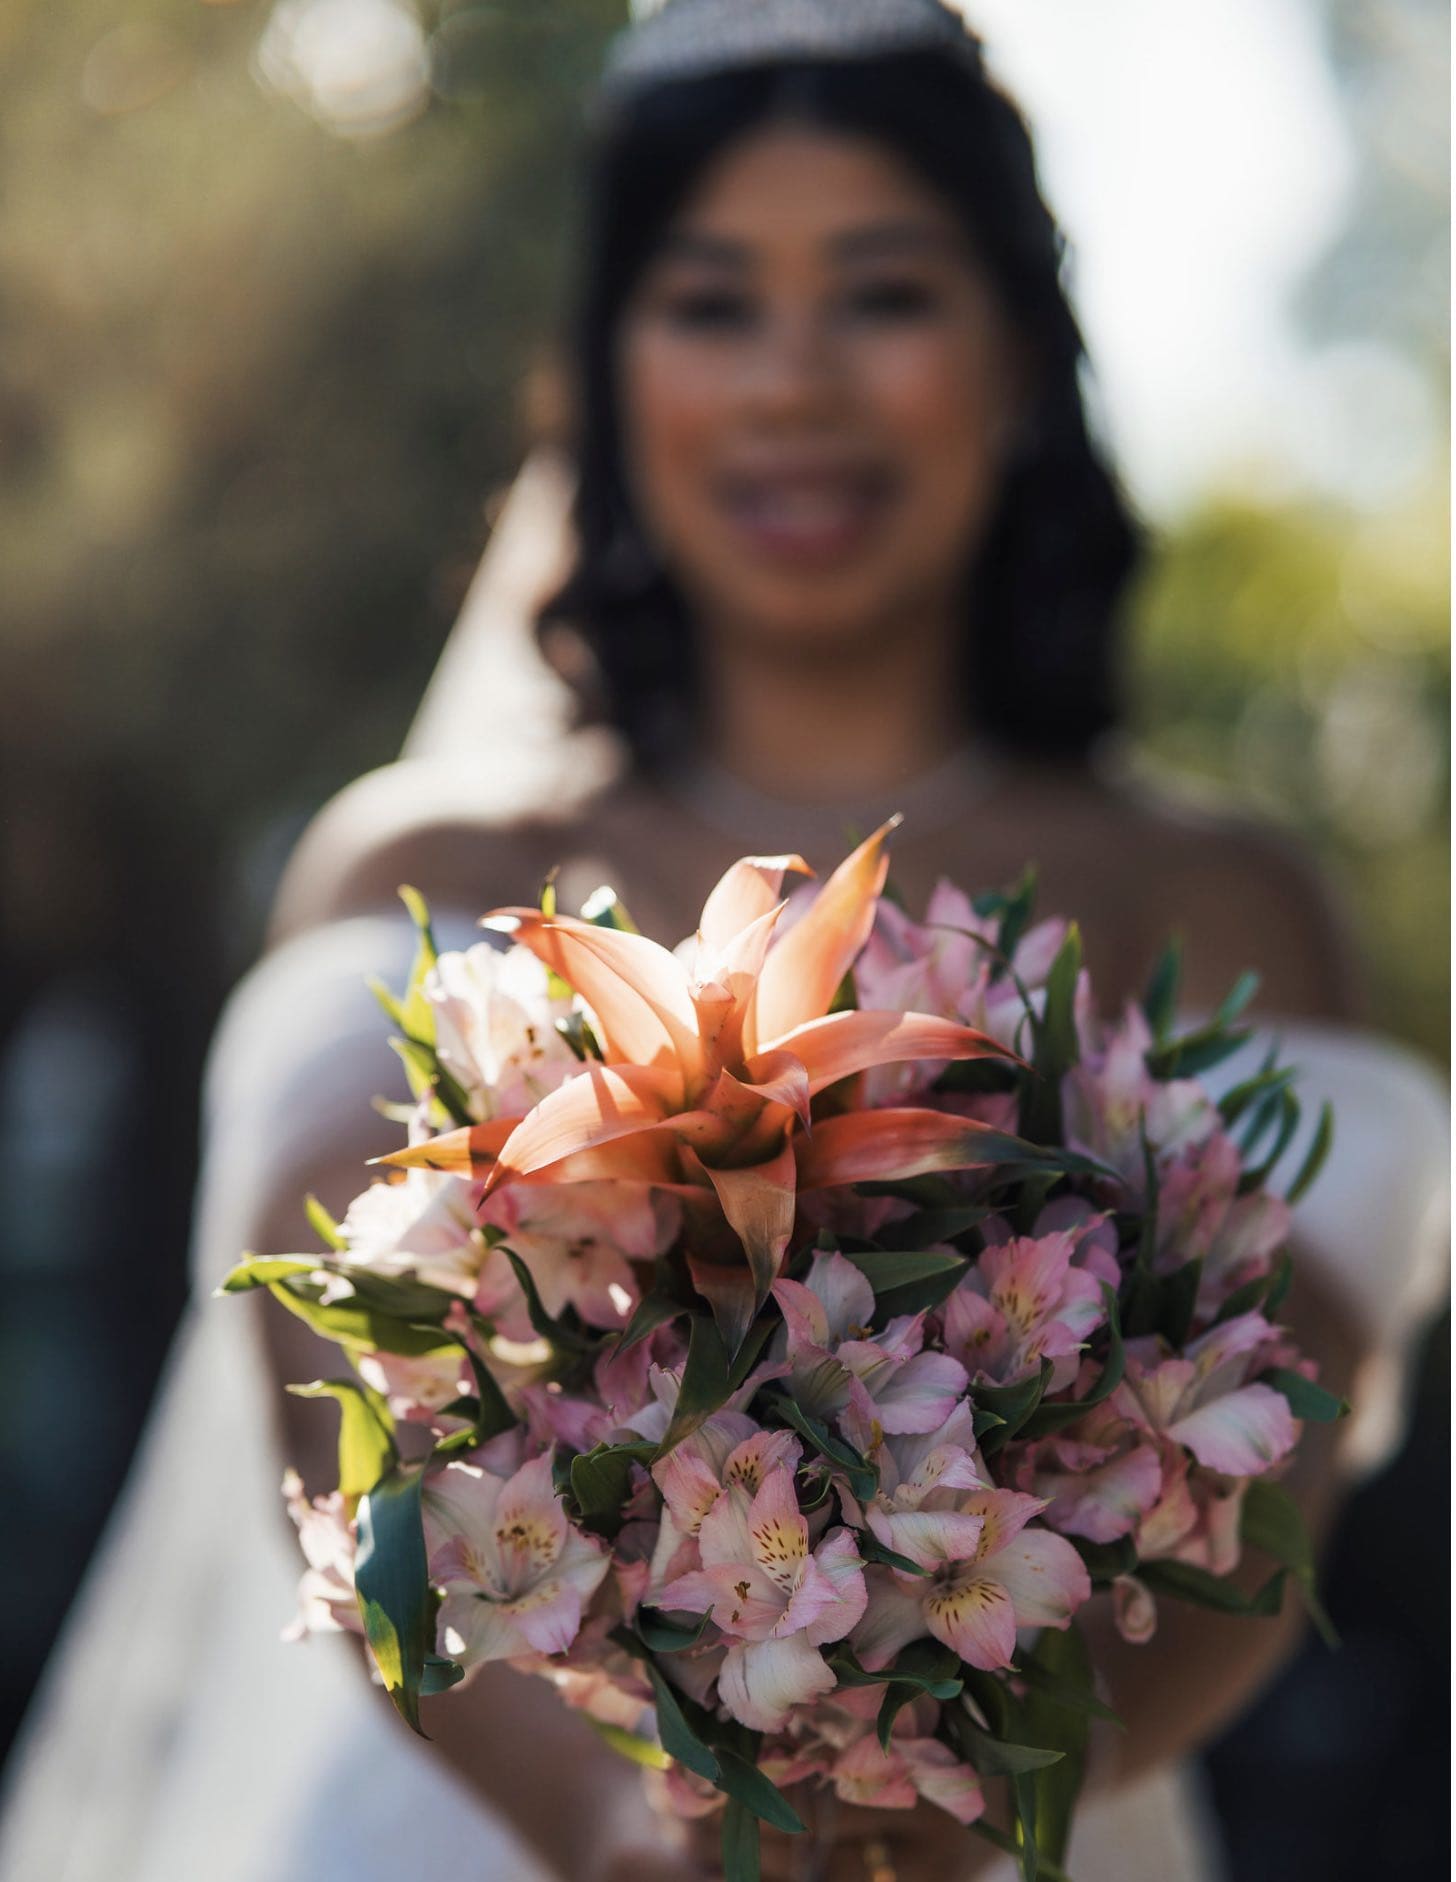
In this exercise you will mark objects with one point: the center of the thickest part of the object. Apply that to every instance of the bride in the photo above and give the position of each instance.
(841, 545)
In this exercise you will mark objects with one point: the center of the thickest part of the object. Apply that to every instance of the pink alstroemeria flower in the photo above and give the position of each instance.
(912, 1769)
(1110, 1098)
(495, 1028)
(711, 1064)
(947, 965)
(1100, 1477)
(829, 1348)
(728, 1452)
(1205, 1401)
(579, 1241)
(1202, 1216)
(326, 1601)
(421, 1225)
(516, 1574)
(984, 1574)
(775, 1601)
(1023, 1301)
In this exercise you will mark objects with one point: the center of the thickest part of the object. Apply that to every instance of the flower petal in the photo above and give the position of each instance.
(889, 1145)
(803, 971)
(1044, 1576)
(844, 1043)
(468, 1152)
(1240, 1434)
(745, 892)
(976, 1618)
(601, 1103)
(763, 1681)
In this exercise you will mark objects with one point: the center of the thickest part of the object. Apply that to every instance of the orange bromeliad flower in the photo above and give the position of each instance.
(710, 1064)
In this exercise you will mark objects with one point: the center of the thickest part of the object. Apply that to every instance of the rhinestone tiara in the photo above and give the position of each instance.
(687, 39)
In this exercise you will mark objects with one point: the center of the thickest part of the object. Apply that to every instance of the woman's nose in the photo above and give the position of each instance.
(792, 370)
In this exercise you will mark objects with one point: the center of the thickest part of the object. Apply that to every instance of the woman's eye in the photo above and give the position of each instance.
(708, 310)
(891, 300)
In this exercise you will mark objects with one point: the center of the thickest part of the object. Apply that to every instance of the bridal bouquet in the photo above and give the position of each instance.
(775, 1343)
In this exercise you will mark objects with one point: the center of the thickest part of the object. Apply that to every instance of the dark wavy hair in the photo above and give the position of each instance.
(1047, 583)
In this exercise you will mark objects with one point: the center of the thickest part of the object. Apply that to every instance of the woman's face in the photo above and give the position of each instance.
(818, 386)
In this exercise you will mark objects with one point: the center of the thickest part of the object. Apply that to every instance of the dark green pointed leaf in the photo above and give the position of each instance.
(1195, 1053)
(933, 1225)
(391, 1579)
(559, 1333)
(1270, 1520)
(641, 1751)
(861, 1476)
(1061, 1656)
(1306, 1399)
(747, 1785)
(654, 1310)
(1160, 1001)
(604, 908)
(997, 1757)
(601, 1481)
(1012, 1404)
(1265, 1084)
(494, 1414)
(1105, 1561)
(677, 1737)
(439, 1676)
(1186, 1583)
(705, 1388)
(886, 1269)
(1314, 1159)
(366, 1433)
(873, 1550)
(663, 1636)
(1055, 1047)
(1289, 1115)
(740, 1843)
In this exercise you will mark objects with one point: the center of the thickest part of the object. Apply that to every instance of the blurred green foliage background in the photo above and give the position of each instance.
(272, 280)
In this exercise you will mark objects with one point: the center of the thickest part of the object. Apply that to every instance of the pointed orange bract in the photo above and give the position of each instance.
(713, 1061)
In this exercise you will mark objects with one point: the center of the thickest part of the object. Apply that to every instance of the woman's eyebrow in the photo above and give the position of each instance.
(713, 251)
(872, 240)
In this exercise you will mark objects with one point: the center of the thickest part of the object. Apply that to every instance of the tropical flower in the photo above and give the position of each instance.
(1204, 1399)
(515, 1573)
(711, 1065)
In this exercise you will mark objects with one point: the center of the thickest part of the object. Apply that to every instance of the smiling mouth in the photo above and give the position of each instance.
(810, 518)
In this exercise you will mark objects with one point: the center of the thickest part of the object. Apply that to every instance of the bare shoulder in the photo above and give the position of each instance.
(1243, 892)
(468, 835)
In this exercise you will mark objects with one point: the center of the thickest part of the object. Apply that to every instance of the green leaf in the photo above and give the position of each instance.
(323, 1224)
(1047, 1418)
(886, 1269)
(1289, 1114)
(366, 1433)
(353, 1323)
(263, 1270)
(1258, 1292)
(601, 1481)
(1057, 1689)
(924, 1666)
(1186, 1583)
(746, 1358)
(1266, 1083)
(663, 1636)
(580, 1037)
(999, 1839)
(1160, 1001)
(1270, 1520)
(391, 1579)
(1055, 1049)
(747, 1785)
(1306, 1399)
(859, 1473)
(1061, 1656)
(740, 1843)
(644, 1751)
(1314, 1159)
(997, 1757)
(1012, 1404)
(1179, 1300)
(558, 1332)
(417, 1015)
(1194, 1053)
(871, 1549)
(1105, 1561)
(705, 1388)
(936, 1225)
(494, 1414)
(439, 1676)
(604, 908)
(677, 1737)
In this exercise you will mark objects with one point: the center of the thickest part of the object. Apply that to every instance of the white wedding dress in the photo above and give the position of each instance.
(176, 1738)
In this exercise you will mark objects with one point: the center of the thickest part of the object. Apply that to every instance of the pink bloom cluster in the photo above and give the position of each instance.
(733, 1464)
